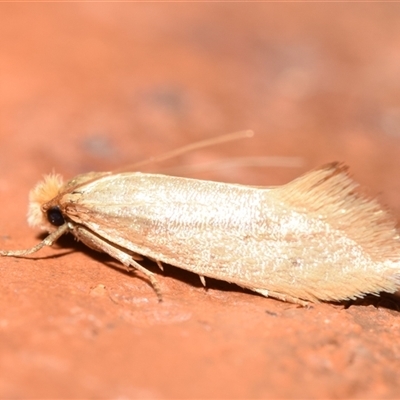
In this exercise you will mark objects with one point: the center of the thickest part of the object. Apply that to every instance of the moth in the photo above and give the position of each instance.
(313, 239)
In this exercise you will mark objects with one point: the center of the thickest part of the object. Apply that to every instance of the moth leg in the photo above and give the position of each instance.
(282, 297)
(126, 259)
(48, 241)
(158, 262)
(203, 280)
(137, 257)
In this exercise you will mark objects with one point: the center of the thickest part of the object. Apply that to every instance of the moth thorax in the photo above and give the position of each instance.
(43, 193)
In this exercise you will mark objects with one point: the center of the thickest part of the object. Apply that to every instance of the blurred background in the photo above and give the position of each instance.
(88, 86)
(95, 86)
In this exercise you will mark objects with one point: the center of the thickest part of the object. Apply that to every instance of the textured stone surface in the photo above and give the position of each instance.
(94, 86)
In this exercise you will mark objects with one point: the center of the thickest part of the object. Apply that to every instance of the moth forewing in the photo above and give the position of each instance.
(310, 240)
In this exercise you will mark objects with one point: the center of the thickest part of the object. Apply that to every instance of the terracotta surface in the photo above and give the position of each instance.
(95, 86)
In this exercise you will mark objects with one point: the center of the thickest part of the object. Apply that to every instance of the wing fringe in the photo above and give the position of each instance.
(328, 193)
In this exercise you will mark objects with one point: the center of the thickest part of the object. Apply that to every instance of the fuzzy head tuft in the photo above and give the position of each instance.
(42, 193)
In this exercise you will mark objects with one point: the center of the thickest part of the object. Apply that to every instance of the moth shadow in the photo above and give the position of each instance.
(70, 244)
(384, 300)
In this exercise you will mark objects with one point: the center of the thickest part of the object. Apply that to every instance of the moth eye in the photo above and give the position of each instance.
(55, 216)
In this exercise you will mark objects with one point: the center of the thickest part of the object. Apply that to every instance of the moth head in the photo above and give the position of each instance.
(45, 191)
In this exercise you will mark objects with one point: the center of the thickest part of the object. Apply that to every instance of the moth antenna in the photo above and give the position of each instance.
(238, 162)
(186, 149)
(174, 153)
(74, 184)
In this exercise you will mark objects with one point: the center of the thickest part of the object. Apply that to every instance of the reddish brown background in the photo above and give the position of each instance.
(94, 86)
